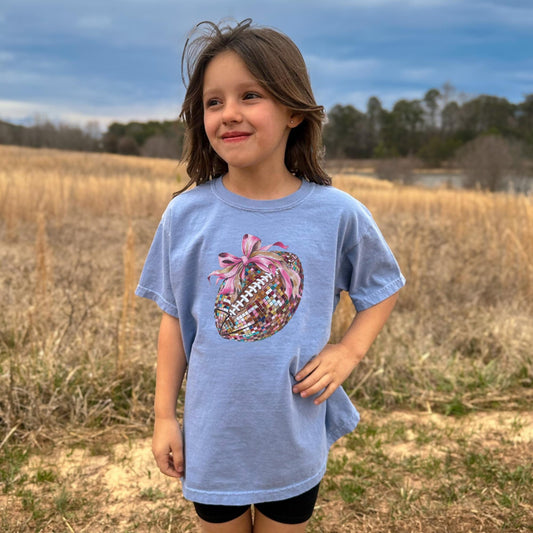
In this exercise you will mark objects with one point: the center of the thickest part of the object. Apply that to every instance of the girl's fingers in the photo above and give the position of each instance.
(170, 464)
(310, 379)
(179, 467)
(306, 383)
(330, 389)
(165, 465)
(319, 385)
(308, 369)
(176, 458)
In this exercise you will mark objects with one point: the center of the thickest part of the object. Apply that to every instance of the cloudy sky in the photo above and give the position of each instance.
(106, 60)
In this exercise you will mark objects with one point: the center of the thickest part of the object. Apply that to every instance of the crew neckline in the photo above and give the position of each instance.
(242, 202)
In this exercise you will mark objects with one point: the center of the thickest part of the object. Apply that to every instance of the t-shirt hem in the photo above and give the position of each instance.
(335, 433)
(255, 496)
(164, 305)
(364, 303)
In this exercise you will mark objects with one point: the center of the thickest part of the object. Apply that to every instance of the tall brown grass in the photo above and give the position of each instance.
(60, 184)
(77, 352)
(128, 299)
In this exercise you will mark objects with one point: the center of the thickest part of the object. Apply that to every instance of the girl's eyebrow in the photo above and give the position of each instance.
(240, 87)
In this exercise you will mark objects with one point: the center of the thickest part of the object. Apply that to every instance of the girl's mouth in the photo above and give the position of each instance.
(235, 136)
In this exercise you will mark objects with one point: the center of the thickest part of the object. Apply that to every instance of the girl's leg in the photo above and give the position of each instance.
(286, 516)
(242, 524)
(262, 524)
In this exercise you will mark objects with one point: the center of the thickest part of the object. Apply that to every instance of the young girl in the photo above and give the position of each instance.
(247, 268)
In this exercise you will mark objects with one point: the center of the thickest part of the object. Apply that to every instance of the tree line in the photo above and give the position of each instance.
(433, 129)
(149, 139)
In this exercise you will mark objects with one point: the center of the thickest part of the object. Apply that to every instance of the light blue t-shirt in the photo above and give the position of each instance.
(254, 284)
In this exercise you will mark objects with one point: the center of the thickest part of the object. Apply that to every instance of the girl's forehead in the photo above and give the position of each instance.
(227, 68)
(226, 59)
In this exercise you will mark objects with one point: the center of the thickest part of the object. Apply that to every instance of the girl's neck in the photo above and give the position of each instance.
(257, 185)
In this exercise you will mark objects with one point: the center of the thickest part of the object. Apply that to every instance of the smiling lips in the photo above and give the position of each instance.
(235, 136)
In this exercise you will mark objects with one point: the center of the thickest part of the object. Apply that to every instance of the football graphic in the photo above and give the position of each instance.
(259, 293)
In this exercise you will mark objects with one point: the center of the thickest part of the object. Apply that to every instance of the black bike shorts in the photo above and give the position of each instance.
(294, 510)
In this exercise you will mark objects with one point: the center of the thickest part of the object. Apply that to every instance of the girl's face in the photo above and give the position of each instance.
(245, 125)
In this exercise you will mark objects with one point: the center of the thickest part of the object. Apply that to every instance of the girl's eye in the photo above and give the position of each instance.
(251, 96)
(211, 102)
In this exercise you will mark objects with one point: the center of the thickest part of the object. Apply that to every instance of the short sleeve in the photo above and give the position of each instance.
(156, 277)
(369, 270)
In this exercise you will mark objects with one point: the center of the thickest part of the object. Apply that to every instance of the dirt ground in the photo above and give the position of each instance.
(119, 488)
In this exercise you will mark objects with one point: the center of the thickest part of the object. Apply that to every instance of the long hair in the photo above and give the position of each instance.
(278, 66)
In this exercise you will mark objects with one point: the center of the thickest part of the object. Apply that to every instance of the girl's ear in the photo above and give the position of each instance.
(295, 120)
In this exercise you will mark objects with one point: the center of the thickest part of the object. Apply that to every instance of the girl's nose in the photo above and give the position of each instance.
(231, 113)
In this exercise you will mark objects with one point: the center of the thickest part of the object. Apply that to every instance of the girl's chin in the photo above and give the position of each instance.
(241, 165)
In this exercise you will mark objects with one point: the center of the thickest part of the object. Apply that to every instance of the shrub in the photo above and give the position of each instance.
(128, 146)
(397, 169)
(489, 162)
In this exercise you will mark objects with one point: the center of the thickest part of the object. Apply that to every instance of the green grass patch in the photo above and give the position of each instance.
(12, 458)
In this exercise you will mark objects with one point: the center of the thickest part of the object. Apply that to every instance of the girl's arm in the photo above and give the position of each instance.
(167, 441)
(335, 362)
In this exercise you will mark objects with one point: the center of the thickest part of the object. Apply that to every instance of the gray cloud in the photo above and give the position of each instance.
(108, 59)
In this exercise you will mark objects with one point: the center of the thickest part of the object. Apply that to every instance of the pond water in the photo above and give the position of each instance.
(438, 180)
(517, 184)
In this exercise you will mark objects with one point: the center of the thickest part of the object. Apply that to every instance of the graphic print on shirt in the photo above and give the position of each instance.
(259, 293)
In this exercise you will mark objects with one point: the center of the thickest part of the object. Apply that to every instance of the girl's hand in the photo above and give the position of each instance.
(167, 447)
(328, 370)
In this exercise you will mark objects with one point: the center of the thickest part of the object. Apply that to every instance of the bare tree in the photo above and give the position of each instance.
(489, 162)
(6, 133)
(400, 169)
(160, 146)
(92, 129)
(127, 146)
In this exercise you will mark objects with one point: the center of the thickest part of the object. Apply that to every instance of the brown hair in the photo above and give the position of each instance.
(277, 64)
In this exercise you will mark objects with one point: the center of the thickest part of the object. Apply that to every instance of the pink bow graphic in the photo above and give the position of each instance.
(233, 267)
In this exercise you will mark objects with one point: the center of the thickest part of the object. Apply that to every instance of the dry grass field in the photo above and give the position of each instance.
(446, 392)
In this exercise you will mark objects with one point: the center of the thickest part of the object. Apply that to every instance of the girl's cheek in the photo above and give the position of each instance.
(208, 128)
